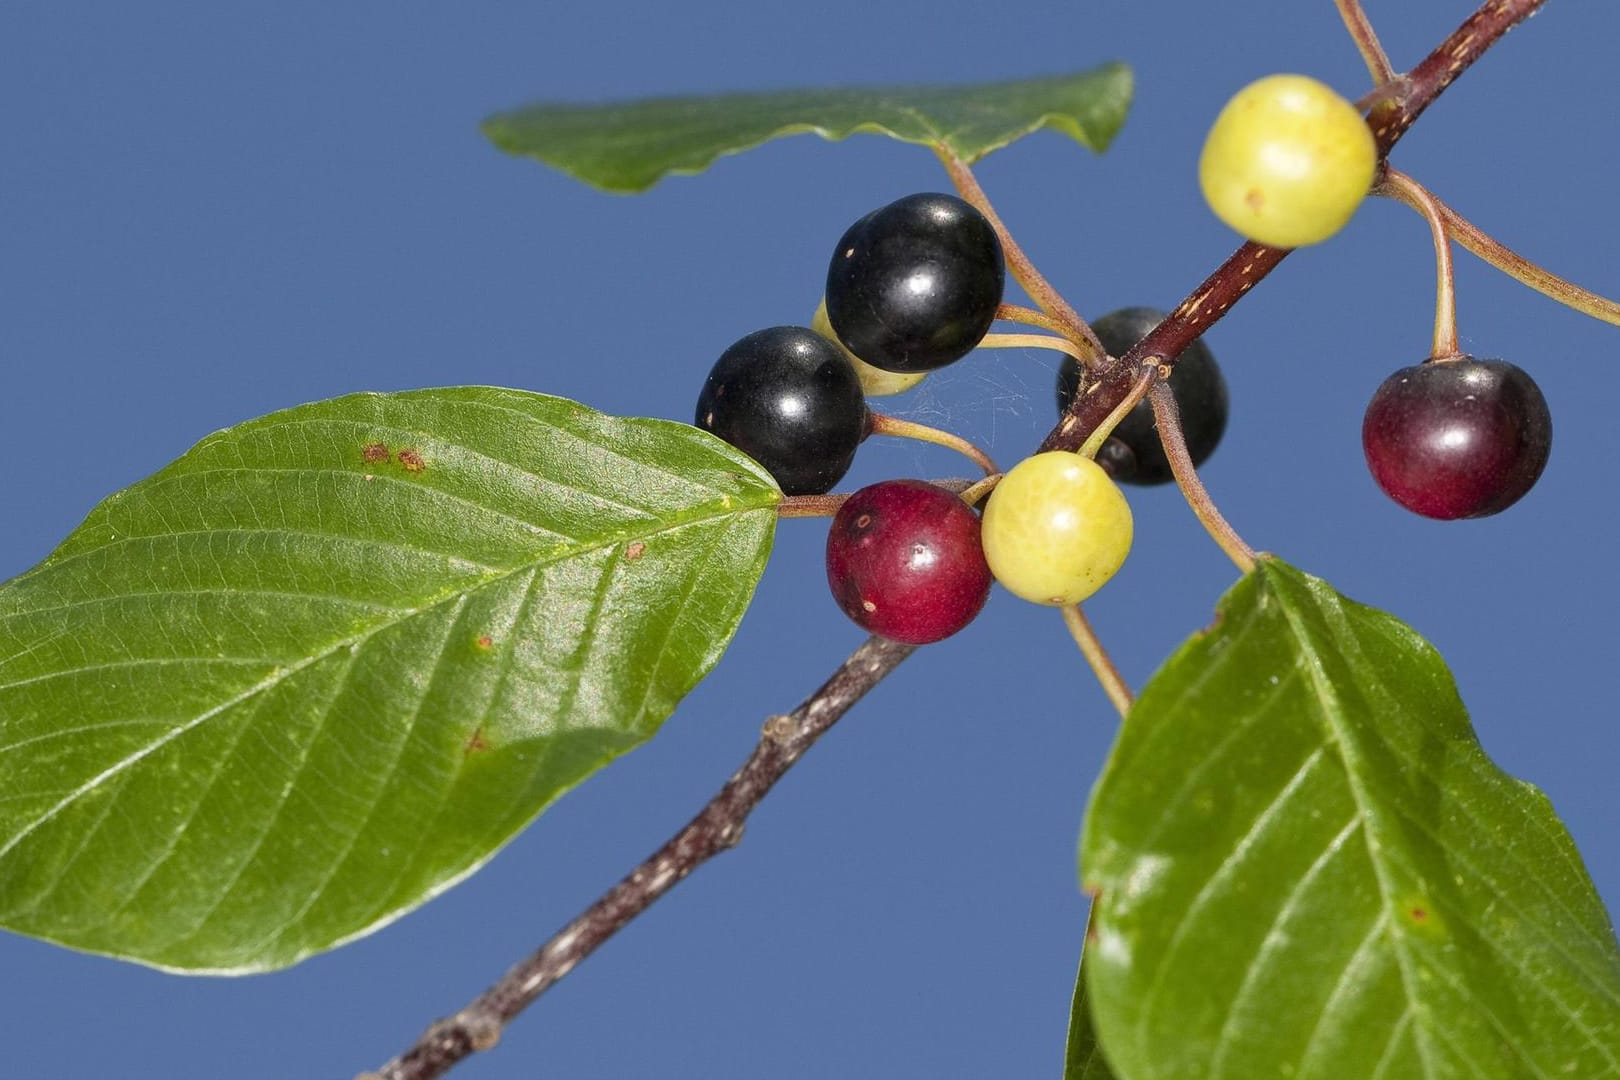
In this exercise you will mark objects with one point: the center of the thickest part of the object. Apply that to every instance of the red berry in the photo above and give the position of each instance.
(1457, 438)
(904, 561)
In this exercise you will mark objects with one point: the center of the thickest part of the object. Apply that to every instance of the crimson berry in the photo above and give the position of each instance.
(915, 285)
(787, 398)
(904, 561)
(1134, 454)
(1457, 438)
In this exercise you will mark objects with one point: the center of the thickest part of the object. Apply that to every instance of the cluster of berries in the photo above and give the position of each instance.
(1286, 164)
(916, 285)
(912, 287)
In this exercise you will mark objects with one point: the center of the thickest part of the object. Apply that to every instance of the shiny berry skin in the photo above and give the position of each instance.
(915, 285)
(1134, 454)
(875, 382)
(1056, 528)
(904, 561)
(787, 398)
(1459, 438)
(1287, 161)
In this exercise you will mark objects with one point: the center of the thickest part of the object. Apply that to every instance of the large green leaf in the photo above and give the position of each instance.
(1307, 867)
(630, 145)
(329, 661)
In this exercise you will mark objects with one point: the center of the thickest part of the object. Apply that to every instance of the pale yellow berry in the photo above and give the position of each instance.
(1287, 161)
(875, 382)
(1056, 528)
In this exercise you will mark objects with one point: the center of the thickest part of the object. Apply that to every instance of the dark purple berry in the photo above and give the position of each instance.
(1457, 438)
(915, 285)
(1195, 381)
(787, 398)
(904, 561)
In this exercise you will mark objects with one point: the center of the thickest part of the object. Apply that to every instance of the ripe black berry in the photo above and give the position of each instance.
(1134, 454)
(788, 399)
(1457, 438)
(915, 285)
(904, 561)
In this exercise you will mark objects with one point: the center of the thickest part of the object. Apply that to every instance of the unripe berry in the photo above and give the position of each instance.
(875, 382)
(1287, 161)
(1056, 528)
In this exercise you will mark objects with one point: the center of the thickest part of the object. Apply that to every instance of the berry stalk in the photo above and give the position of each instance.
(1031, 317)
(883, 424)
(1366, 39)
(1398, 185)
(1033, 281)
(1102, 665)
(1524, 271)
(1167, 415)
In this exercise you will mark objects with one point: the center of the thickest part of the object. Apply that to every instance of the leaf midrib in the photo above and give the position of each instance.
(282, 673)
(1332, 712)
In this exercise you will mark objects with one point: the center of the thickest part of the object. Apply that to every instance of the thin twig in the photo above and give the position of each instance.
(716, 828)
(1366, 39)
(1102, 665)
(1167, 415)
(1040, 290)
(1398, 185)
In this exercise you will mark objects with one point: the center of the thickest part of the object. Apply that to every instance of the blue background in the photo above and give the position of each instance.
(209, 212)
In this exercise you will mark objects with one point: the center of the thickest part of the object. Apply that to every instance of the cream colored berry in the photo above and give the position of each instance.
(1287, 161)
(1056, 528)
(875, 382)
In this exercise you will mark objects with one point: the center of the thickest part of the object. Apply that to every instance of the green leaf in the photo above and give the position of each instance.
(630, 145)
(329, 661)
(1083, 1058)
(1307, 867)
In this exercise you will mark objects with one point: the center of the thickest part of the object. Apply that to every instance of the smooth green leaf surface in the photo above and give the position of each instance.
(631, 145)
(1307, 867)
(329, 661)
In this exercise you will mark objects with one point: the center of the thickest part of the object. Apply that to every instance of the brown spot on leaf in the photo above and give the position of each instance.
(634, 551)
(1419, 914)
(371, 453)
(411, 460)
(484, 641)
(475, 742)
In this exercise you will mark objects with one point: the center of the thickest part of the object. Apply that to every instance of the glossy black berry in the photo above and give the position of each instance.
(915, 285)
(1458, 438)
(787, 398)
(904, 561)
(1134, 454)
